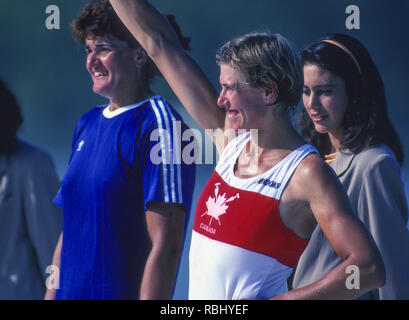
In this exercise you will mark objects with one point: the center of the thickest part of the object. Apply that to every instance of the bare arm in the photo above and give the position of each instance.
(347, 235)
(50, 293)
(184, 76)
(165, 226)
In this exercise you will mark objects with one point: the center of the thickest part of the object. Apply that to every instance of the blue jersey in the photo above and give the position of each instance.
(120, 161)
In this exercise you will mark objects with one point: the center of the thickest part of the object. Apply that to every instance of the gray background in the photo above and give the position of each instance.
(46, 68)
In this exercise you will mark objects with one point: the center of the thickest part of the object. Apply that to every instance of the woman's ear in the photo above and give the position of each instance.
(271, 94)
(140, 57)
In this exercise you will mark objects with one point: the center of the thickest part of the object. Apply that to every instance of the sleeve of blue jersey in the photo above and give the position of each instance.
(165, 177)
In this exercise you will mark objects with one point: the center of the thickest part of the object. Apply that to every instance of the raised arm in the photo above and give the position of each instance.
(319, 186)
(185, 77)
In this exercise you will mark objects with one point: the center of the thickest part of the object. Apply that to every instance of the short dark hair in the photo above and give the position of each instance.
(366, 120)
(98, 19)
(11, 118)
(264, 58)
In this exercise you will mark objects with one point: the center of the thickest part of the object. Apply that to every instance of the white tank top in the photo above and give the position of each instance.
(240, 248)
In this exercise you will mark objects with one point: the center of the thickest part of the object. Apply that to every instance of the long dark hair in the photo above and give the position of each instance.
(10, 120)
(366, 120)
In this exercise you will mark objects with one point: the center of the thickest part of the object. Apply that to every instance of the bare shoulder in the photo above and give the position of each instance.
(295, 205)
(311, 163)
(307, 178)
(312, 167)
(313, 175)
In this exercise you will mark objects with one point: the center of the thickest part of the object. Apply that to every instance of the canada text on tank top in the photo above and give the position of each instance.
(239, 239)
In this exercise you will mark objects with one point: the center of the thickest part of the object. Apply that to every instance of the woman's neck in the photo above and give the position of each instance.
(335, 139)
(279, 134)
(129, 99)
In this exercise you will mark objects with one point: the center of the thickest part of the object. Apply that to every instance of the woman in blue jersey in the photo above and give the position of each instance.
(345, 117)
(270, 188)
(124, 203)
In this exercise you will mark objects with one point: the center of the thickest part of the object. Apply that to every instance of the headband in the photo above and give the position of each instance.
(339, 45)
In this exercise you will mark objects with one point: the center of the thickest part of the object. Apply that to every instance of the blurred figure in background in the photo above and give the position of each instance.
(29, 222)
(345, 118)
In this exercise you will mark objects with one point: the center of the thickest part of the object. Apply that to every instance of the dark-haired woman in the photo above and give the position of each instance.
(345, 117)
(124, 208)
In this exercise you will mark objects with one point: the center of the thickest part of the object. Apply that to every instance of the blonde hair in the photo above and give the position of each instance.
(263, 59)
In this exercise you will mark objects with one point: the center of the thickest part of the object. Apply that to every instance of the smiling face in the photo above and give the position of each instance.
(244, 105)
(325, 99)
(112, 65)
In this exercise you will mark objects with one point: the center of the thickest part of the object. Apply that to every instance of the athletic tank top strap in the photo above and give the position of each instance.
(285, 169)
(235, 146)
(231, 152)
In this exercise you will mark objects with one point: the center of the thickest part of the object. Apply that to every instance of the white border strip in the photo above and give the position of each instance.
(176, 149)
(162, 145)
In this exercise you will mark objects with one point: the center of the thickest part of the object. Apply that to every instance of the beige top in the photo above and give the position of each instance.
(374, 186)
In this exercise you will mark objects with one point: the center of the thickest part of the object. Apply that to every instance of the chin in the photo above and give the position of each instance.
(236, 128)
(321, 129)
(237, 124)
(101, 92)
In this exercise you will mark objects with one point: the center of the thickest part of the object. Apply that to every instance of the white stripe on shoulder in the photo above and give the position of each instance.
(163, 150)
(166, 116)
(176, 156)
(172, 184)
